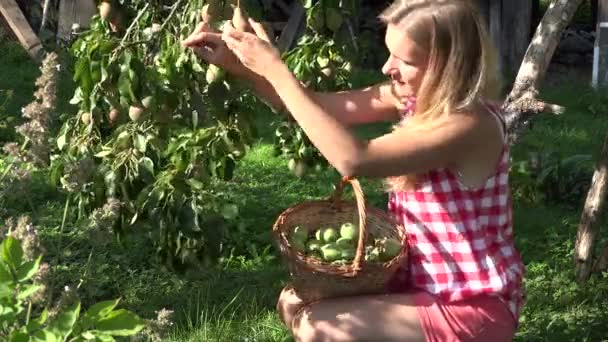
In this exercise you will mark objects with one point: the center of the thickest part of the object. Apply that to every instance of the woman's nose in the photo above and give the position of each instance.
(388, 67)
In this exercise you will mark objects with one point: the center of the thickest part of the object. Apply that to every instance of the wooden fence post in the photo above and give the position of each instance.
(600, 54)
(21, 28)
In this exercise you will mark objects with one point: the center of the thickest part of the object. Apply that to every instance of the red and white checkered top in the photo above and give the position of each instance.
(460, 239)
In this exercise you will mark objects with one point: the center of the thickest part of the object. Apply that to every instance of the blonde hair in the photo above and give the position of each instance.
(462, 63)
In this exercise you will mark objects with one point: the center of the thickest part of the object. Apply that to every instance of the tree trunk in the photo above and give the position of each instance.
(589, 224)
(522, 105)
(46, 9)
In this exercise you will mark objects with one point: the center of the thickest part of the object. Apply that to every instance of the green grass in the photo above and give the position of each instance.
(236, 300)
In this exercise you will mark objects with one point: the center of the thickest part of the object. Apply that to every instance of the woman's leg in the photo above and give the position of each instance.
(392, 317)
(412, 316)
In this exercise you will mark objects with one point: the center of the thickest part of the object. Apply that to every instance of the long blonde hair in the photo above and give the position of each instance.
(462, 63)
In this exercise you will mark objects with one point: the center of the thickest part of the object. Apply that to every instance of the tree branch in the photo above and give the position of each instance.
(521, 105)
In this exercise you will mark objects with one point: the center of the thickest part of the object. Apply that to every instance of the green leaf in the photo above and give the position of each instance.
(28, 269)
(120, 323)
(8, 313)
(61, 141)
(19, 336)
(195, 184)
(5, 274)
(6, 290)
(101, 309)
(230, 211)
(88, 335)
(140, 143)
(104, 153)
(64, 324)
(103, 337)
(28, 291)
(98, 311)
(77, 98)
(12, 253)
(148, 164)
(43, 316)
(46, 336)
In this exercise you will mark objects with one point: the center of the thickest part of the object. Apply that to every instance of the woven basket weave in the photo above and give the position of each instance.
(314, 279)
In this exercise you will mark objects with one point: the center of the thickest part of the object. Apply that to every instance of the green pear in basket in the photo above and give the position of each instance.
(313, 245)
(330, 235)
(346, 242)
(349, 231)
(331, 252)
(390, 248)
(298, 238)
(319, 234)
(348, 253)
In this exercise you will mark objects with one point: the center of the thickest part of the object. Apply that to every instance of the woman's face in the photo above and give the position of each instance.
(406, 64)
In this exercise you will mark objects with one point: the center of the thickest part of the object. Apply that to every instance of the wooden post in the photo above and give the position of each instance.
(516, 19)
(509, 24)
(495, 22)
(21, 28)
(74, 12)
(600, 54)
(293, 28)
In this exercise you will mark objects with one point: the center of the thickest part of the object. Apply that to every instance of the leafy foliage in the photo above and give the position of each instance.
(156, 129)
(101, 322)
(323, 60)
(547, 176)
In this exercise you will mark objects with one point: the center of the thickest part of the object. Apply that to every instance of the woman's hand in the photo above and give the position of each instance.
(255, 51)
(207, 43)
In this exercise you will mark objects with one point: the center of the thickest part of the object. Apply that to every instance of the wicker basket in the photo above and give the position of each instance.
(314, 279)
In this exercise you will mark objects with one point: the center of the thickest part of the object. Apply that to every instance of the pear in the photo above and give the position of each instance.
(106, 11)
(300, 169)
(345, 242)
(330, 235)
(135, 112)
(239, 19)
(300, 233)
(214, 74)
(330, 252)
(333, 19)
(113, 115)
(349, 231)
(314, 245)
(391, 248)
(86, 118)
(327, 71)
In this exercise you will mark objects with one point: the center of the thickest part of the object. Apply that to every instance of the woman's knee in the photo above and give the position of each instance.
(288, 305)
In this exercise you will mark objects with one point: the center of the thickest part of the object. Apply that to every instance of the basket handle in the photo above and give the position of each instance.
(360, 200)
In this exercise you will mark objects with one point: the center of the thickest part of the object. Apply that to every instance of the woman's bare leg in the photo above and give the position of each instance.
(288, 305)
(386, 318)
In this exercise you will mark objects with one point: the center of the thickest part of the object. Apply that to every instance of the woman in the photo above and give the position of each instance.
(446, 163)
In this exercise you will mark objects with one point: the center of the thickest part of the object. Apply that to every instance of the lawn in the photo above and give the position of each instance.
(235, 300)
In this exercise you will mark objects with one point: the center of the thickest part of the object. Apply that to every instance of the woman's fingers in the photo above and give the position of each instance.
(200, 28)
(203, 38)
(205, 53)
(230, 32)
(259, 30)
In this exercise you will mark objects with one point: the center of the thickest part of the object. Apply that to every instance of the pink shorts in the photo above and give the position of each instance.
(478, 319)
